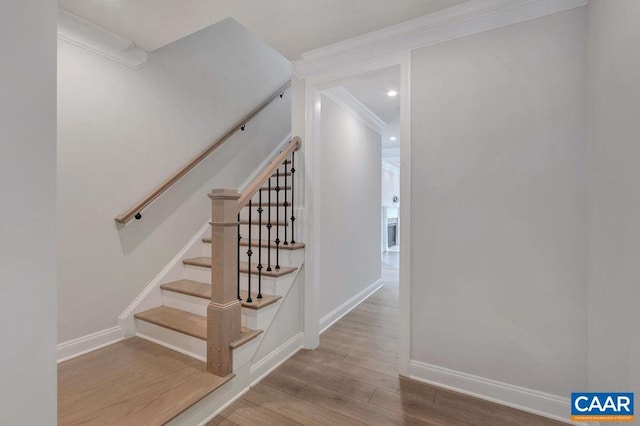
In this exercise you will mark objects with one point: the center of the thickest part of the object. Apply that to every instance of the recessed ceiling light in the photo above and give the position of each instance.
(393, 138)
(392, 93)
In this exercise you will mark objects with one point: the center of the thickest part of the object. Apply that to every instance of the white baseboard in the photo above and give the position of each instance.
(89, 343)
(342, 310)
(266, 365)
(225, 406)
(532, 401)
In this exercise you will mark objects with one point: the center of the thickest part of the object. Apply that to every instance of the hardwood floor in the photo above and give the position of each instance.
(351, 379)
(133, 382)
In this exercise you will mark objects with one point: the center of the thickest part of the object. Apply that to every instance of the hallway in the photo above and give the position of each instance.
(351, 378)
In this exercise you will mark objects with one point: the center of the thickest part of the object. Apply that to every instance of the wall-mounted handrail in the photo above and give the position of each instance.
(135, 211)
(259, 181)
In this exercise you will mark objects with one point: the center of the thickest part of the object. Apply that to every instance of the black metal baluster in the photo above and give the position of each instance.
(260, 244)
(286, 204)
(239, 238)
(269, 230)
(249, 254)
(277, 218)
(293, 180)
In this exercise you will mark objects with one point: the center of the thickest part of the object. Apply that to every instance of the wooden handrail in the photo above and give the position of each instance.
(259, 181)
(144, 202)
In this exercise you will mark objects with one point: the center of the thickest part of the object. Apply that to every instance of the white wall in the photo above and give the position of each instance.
(27, 217)
(614, 196)
(390, 187)
(122, 131)
(499, 220)
(349, 211)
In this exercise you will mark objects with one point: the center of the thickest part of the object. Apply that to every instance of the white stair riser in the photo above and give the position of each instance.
(251, 318)
(188, 345)
(287, 257)
(276, 232)
(274, 286)
(259, 319)
(184, 302)
(191, 346)
(244, 354)
(197, 273)
(269, 285)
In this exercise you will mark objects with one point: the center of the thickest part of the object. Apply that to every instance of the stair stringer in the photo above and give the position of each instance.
(247, 352)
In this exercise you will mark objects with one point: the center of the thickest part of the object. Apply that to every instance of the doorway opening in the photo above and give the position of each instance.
(357, 136)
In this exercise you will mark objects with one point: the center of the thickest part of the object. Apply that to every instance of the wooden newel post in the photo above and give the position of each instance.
(223, 313)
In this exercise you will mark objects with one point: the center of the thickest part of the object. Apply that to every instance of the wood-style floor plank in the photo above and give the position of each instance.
(245, 413)
(351, 378)
(132, 382)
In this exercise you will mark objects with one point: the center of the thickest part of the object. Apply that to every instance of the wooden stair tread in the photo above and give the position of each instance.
(205, 262)
(190, 324)
(256, 303)
(284, 270)
(203, 291)
(247, 335)
(176, 320)
(254, 243)
(190, 288)
(131, 382)
(202, 261)
(264, 222)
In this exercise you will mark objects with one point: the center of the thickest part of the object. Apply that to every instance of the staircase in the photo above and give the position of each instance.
(248, 260)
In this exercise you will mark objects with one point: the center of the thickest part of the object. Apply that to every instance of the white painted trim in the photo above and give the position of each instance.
(462, 20)
(532, 401)
(345, 100)
(311, 222)
(264, 163)
(342, 310)
(89, 343)
(126, 318)
(404, 323)
(314, 180)
(277, 357)
(82, 33)
(170, 346)
(225, 406)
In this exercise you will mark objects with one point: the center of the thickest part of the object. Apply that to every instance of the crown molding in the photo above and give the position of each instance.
(462, 20)
(82, 33)
(347, 101)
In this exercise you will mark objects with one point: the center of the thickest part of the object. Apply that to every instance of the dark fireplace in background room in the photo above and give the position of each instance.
(392, 232)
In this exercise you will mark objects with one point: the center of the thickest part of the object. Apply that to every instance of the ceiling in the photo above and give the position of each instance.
(292, 27)
(371, 90)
